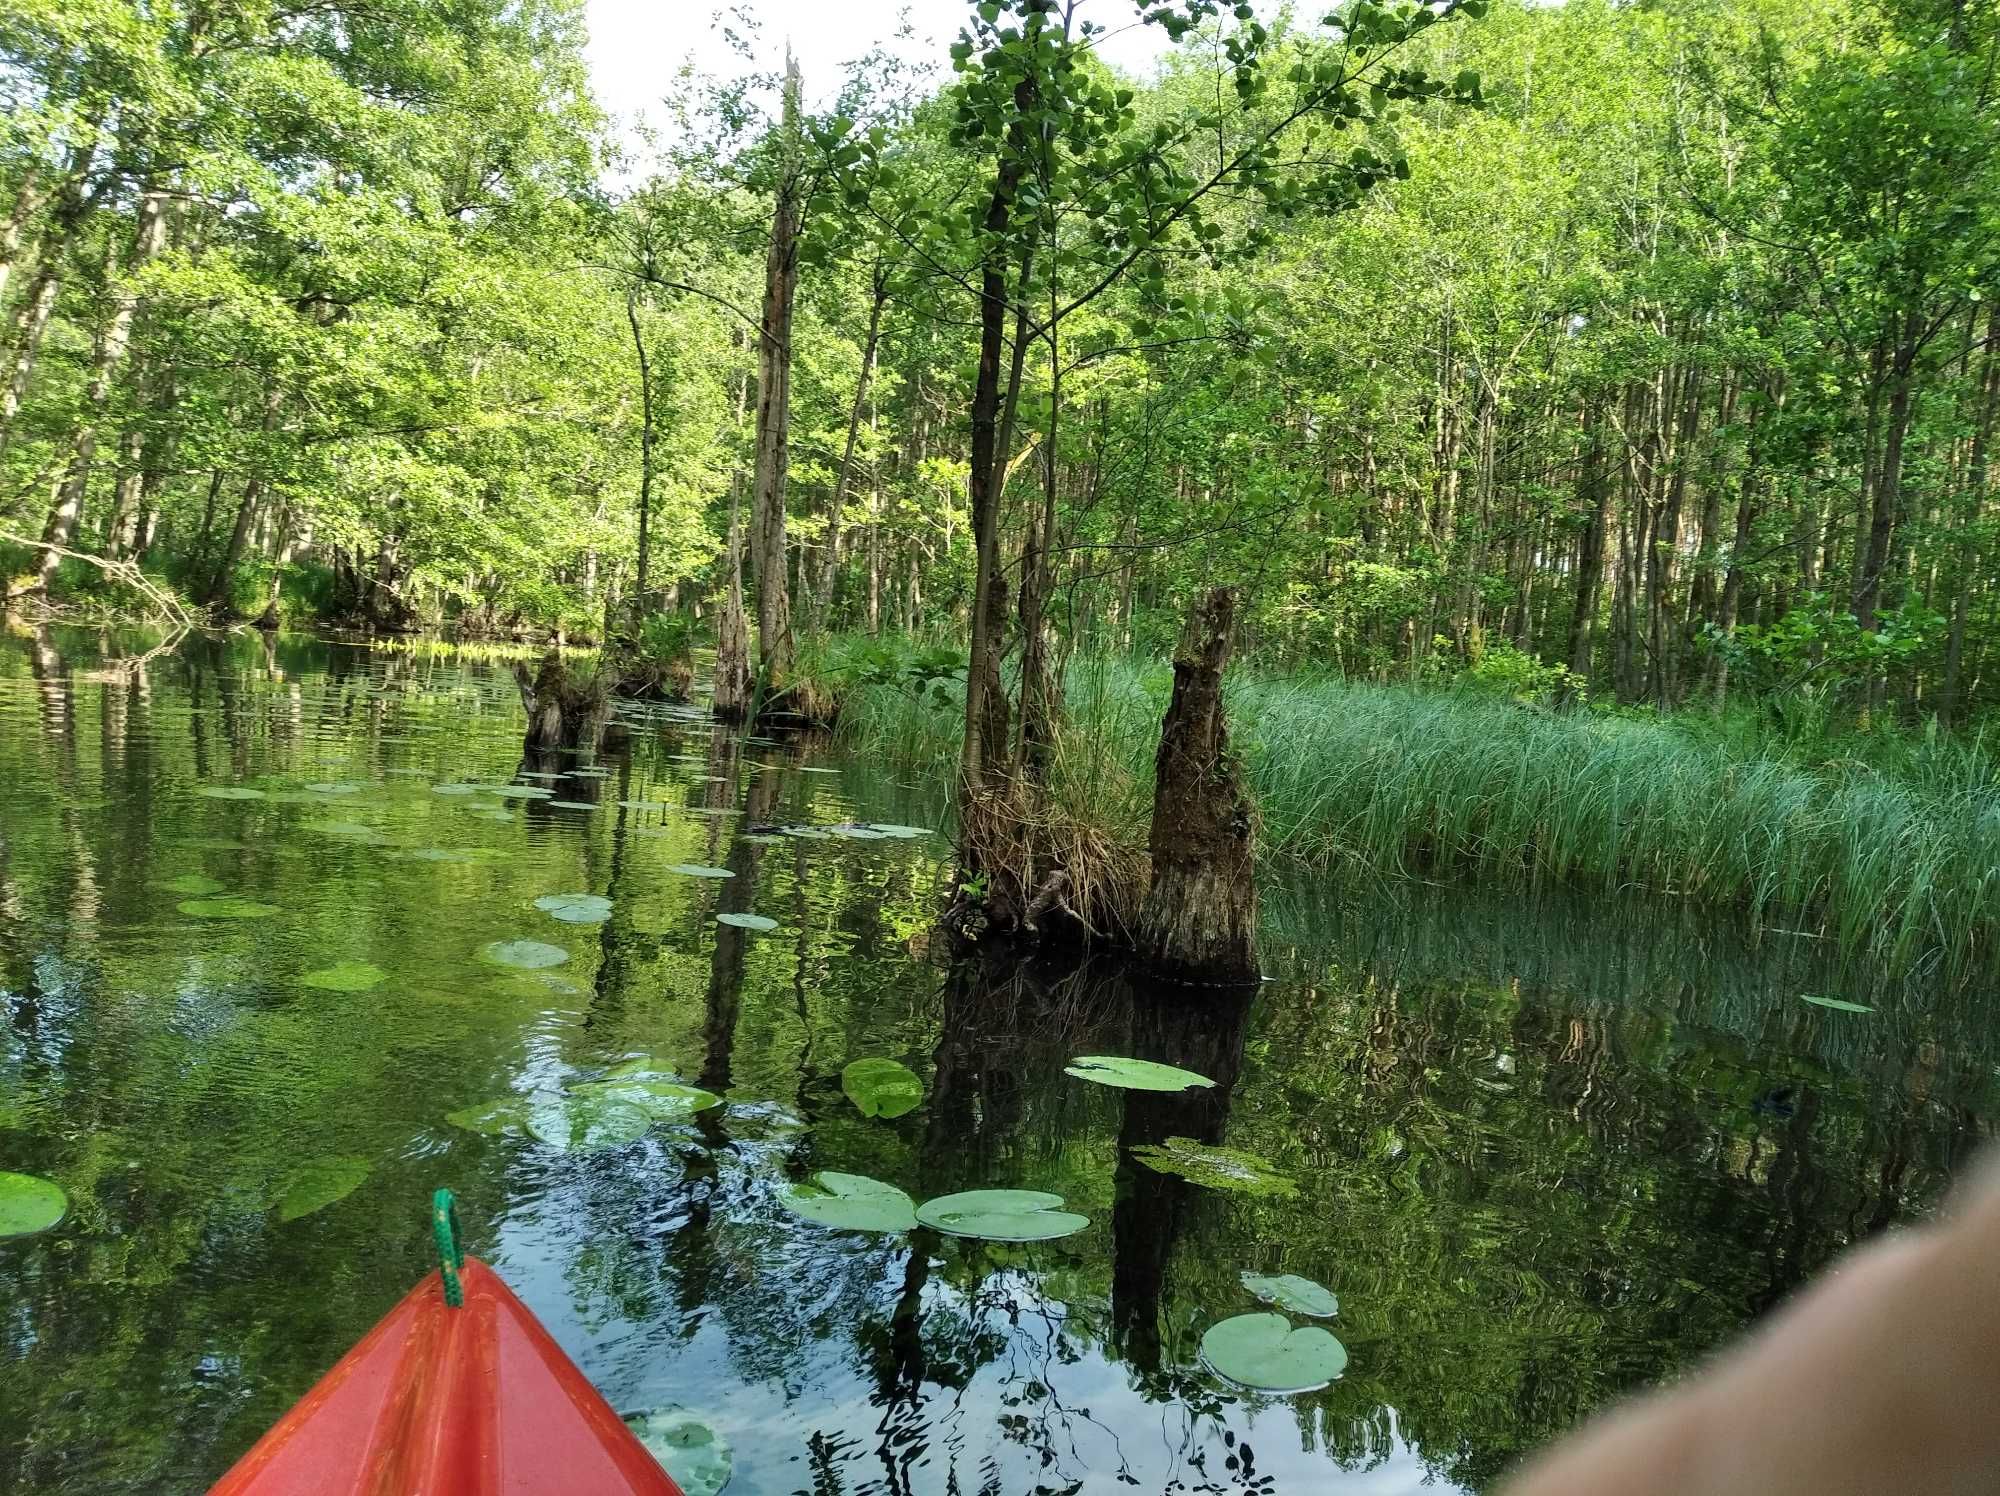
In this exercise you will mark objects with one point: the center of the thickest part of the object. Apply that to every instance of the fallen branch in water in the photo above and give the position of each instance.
(125, 572)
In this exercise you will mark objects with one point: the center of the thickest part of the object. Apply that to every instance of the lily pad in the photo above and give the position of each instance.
(1133, 1075)
(194, 885)
(1215, 1167)
(583, 1124)
(1838, 1004)
(1264, 1353)
(854, 831)
(662, 1100)
(345, 976)
(693, 1454)
(523, 955)
(517, 791)
(882, 1087)
(571, 804)
(850, 1202)
(454, 789)
(575, 908)
(29, 1203)
(319, 1184)
(1290, 1291)
(906, 832)
(493, 1118)
(344, 787)
(1001, 1215)
(693, 870)
(230, 792)
(747, 921)
(651, 1067)
(227, 908)
(352, 829)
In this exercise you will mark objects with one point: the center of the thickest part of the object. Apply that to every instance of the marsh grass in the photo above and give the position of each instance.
(1885, 844)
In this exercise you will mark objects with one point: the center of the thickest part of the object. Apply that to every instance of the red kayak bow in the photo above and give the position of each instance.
(459, 1391)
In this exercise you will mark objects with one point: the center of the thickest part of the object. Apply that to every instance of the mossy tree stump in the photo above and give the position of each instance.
(1199, 921)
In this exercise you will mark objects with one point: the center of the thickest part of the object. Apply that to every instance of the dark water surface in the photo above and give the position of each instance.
(1542, 1154)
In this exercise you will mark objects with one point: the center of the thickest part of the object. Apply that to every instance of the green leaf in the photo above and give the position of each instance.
(229, 792)
(693, 1454)
(1214, 1167)
(882, 1087)
(695, 870)
(1838, 1004)
(575, 908)
(850, 1202)
(662, 1100)
(493, 1118)
(650, 1067)
(319, 1184)
(1290, 1291)
(345, 976)
(29, 1203)
(227, 908)
(523, 955)
(1264, 1353)
(1133, 1075)
(584, 1124)
(747, 921)
(1001, 1215)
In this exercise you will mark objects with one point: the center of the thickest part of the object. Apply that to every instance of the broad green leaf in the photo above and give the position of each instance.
(1133, 1075)
(227, 908)
(850, 1202)
(882, 1087)
(572, 804)
(494, 1118)
(662, 1100)
(319, 1184)
(1215, 1167)
(517, 791)
(1838, 1004)
(1001, 1215)
(345, 976)
(695, 1455)
(651, 1067)
(29, 1203)
(575, 908)
(523, 955)
(584, 1124)
(229, 792)
(694, 870)
(1290, 1291)
(747, 921)
(1264, 1353)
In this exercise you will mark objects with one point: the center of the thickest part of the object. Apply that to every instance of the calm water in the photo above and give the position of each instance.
(1542, 1155)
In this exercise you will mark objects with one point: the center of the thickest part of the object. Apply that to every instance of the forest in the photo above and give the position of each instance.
(1630, 363)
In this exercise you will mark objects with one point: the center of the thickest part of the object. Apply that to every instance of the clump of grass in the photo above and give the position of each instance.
(1889, 849)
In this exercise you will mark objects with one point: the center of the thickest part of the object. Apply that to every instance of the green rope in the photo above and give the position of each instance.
(451, 1256)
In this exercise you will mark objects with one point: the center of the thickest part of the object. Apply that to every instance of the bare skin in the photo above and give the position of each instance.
(1884, 1376)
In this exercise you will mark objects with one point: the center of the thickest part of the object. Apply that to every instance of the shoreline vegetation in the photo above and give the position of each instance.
(1884, 842)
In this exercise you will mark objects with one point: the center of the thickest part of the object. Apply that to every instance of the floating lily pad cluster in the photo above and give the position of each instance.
(854, 1202)
(617, 1107)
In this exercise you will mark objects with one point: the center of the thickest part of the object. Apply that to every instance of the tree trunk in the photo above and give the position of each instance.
(774, 412)
(732, 630)
(822, 603)
(217, 593)
(1595, 495)
(638, 611)
(1199, 921)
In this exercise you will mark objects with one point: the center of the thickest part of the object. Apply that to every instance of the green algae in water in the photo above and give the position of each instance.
(1266, 1354)
(194, 885)
(1214, 1167)
(227, 908)
(30, 1204)
(319, 1184)
(881, 1087)
(850, 1202)
(345, 976)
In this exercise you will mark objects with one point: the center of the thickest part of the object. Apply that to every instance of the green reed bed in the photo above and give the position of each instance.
(1900, 861)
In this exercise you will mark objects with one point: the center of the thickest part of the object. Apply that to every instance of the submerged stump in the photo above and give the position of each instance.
(1199, 921)
(565, 710)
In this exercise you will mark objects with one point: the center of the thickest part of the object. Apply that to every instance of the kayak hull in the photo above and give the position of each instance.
(437, 1401)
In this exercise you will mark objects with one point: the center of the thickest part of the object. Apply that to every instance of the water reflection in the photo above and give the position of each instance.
(1542, 1152)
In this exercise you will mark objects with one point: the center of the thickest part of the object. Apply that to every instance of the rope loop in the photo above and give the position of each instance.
(451, 1256)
